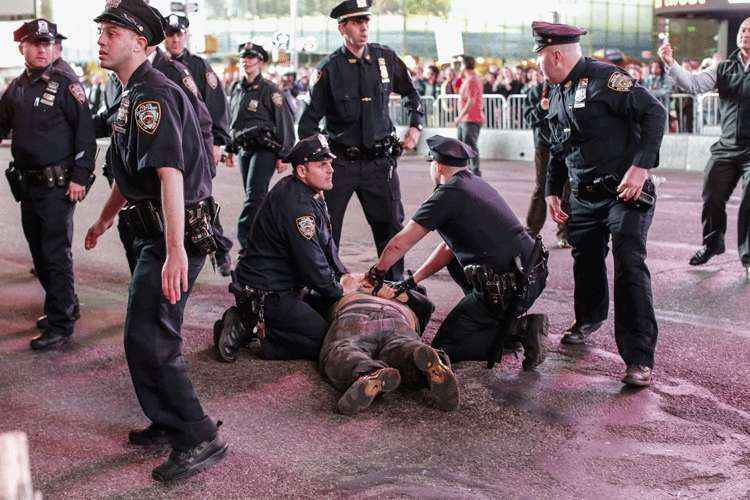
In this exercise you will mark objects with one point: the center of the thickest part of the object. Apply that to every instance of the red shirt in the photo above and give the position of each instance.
(472, 88)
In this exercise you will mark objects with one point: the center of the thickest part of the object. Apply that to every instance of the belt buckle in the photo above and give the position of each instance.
(353, 152)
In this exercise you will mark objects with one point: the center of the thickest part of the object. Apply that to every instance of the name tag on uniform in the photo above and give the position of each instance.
(383, 70)
(580, 100)
(122, 116)
(252, 105)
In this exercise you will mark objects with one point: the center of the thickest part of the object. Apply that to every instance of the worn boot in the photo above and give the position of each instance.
(532, 330)
(637, 376)
(442, 381)
(577, 334)
(363, 391)
(705, 253)
(230, 335)
(187, 462)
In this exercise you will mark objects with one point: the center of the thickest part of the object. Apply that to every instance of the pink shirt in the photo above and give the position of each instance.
(472, 88)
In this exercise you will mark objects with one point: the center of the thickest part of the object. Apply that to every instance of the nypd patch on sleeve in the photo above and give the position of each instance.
(620, 82)
(148, 116)
(77, 91)
(306, 226)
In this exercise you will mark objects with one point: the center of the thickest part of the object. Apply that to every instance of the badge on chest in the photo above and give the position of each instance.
(122, 116)
(49, 94)
(580, 99)
(252, 105)
(383, 70)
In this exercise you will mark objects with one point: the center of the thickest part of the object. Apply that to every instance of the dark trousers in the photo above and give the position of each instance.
(721, 177)
(468, 132)
(468, 331)
(153, 349)
(223, 244)
(537, 214)
(378, 189)
(362, 341)
(294, 328)
(589, 227)
(128, 243)
(257, 168)
(47, 220)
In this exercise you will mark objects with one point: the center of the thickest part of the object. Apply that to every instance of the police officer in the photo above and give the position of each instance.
(352, 94)
(535, 114)
(212, 93)
(262, 132)
(53, 159)
(606, 130)
(290, 248)
(161, 174)
(730, 155)
(479, 230)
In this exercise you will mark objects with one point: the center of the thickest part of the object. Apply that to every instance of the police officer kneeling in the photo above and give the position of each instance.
(289, 249)
(505, 265)
(162, 189)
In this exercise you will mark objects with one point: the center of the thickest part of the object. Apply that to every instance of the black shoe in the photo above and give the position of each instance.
(577, 334)
(42, 323)
(185, 463)
(150, 436)
(49, 340)
(225, 266)
(443, 384)
(360, 395)
(230, 335)
(637, 376)
(533, 328)
(705, 253)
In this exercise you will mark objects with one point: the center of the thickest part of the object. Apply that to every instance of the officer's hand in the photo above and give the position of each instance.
(632, 184)
(555, 209)
(92, 235)
(217, 154)
(281, 167)
(411, 138)
(229, 161)
(76, 192)
(666, 53)
(174, 275)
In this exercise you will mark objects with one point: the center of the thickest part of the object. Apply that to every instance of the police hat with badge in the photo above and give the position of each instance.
(351, 8)
(546, 34)
(176, 24)
(313, 148)
(251, 49)
(450, 152)
(38, 30)
(134, 15)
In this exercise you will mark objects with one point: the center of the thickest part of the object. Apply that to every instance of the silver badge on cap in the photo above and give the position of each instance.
(361, 4)
(112, 4)
(174, 21)
(323, 141)
(43, 27)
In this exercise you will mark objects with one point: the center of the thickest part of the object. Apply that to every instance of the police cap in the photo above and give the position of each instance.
(134, 15)
(450, 152)
(546, 34)
(251, 49)
(36, 30)
(59, 37)
(313, 148)
(351, 8)
(176, 24)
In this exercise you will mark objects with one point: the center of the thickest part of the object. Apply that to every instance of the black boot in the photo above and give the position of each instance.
(49, 340)
(185, 463)
(705, 253)
(150, 436)
(532, 329)
(230, 335)
(577, 334)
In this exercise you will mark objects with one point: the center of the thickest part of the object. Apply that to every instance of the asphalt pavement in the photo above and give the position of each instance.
(568, 430)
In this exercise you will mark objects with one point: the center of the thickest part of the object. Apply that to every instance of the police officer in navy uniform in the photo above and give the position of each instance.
(480, 231)
(262, 132)
(53, 152)
(290, 249)
(606, 131)
(352, 94)
(163, 186)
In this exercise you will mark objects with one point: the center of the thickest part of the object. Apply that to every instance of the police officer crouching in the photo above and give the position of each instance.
(262, 133)
(290, 249)
(53, 152)
(605, 134)
(162, 190)
(505, 266)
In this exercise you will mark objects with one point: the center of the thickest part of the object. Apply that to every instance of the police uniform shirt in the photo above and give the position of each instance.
(352, 94)
(156, 127)
(49, 115)
(260, 103)
(291, 245)
(601, 122)
(475, 222)
(211, 90)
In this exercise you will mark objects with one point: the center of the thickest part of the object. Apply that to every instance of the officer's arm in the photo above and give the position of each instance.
(404, 86)
(440, 257)
(557, 174)
(309, 123)
(78, 115)
(693, 83)
(401, 244)
(218, 107)
(632, 101)
(284, 120)
(533, 114)
(174, 275)
(6, 113)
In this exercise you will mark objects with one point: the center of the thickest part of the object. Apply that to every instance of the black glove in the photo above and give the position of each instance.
(375, 277)
(408, 284)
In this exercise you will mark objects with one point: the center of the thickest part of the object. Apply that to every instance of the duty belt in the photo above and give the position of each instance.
(589, 191)
(55, 175)
(388, 147)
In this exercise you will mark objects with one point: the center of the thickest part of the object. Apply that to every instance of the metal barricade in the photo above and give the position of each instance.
(494, 111)
(514, 116)
(400, 115)
(709, 116)
(682, 114)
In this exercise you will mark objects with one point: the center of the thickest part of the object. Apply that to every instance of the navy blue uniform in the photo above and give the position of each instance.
(352, 94)
(494, 238)
(290, 248)
(258, 104)
(156, 127)
(601, 123)
(47, 113)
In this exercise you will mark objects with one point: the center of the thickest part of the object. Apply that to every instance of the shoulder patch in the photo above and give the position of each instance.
(212, 79)
(77, 91)
(190, 84)
(277, 99)
(306, 226)
(620, 82)
(147, 116)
